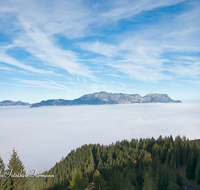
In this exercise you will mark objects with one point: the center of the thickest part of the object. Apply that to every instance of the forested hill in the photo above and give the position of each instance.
(135, 165)
(108, 98)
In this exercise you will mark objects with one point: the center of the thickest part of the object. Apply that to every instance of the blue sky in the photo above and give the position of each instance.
(64, 49)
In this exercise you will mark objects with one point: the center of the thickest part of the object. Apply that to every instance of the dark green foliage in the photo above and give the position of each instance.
(99, 182)
(179, 181)
(78, 181)
(16, 168)
(147, 185)
(116, 180)
(2, 174)
(143, 165)
(197, 174)
(189, 168)
(192, 160)
(164, 174)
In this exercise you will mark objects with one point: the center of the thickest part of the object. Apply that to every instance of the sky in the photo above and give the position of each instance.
(65, 49)
(43, 135)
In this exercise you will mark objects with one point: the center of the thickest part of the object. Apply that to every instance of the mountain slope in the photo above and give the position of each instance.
(108, 98)
(133, 164)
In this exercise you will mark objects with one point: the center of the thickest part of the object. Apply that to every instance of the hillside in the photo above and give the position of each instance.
(138, 164)
(99, 98)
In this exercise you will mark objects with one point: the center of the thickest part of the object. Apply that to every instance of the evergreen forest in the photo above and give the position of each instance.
(144, 164)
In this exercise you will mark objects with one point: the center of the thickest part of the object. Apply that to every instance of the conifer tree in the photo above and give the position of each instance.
(2, 174)
(98, 181)
(197, 175)
(16, 169)
(191, 166)
(150, 173)
(147, 182)
(172, 186)
(78, 182)
(116, 181)
(188, 167)
(163, 177)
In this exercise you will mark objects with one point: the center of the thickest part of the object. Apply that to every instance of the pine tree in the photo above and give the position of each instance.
(98, 181)
(147, 182)
(191, 166)
(150, 173)
(2, 174)
(188, 167)
(116, 181)
(78, 182)
(163, 177)
(172, 186)
(197, 175)
(16, 168)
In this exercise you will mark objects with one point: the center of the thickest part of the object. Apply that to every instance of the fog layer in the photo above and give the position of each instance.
(43, 135)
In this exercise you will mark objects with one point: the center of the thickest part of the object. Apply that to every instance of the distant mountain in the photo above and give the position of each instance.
(12, 103)
(99, 98)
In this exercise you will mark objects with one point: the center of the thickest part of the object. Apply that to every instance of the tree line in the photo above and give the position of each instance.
(10, 179)
(144, 164)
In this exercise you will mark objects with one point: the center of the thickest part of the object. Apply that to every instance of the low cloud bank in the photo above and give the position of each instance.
(43, 135)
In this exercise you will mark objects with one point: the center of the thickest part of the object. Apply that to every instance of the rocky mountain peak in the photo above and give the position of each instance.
(103, 97)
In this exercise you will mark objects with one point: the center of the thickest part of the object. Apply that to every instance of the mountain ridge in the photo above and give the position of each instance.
(100, 98)
(13, 103)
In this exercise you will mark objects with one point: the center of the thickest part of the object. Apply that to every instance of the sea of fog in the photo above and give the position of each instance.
(43, 135)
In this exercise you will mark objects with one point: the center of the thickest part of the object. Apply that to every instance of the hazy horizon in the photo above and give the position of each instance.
(182, 100)
(43, 135)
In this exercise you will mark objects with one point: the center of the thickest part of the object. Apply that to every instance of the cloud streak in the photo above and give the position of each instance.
(38, 25)
(43, 84)
(155, 52)
(39, 42)
(126, 9)
(143, 42)
(14, 62)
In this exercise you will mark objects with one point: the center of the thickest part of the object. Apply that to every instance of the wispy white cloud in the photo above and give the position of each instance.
(100, 48)
(12, 61)
(43, 84)
(156, 52)
(139, 54)
(36, 29)
(38, 23)
(139, 72)
(101, 87)
(192, 81)
(40, 46)
(126, 9)
(6, 68)
(114, 75)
